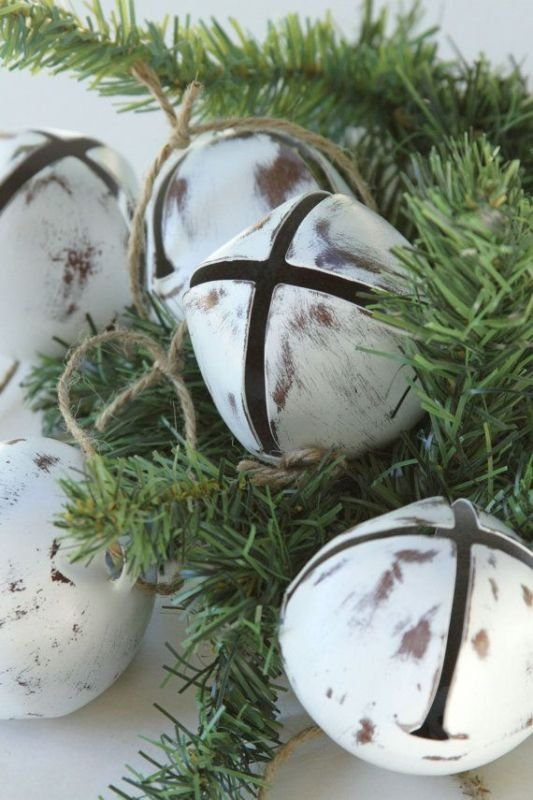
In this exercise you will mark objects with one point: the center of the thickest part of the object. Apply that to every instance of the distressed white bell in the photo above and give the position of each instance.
(281, 328)
(67, 631)
(409, 639)
(224, 182)
(65, 204)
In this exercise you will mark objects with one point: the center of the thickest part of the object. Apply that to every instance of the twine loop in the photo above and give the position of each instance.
(291, 467)
(284, 754)
(167, 364)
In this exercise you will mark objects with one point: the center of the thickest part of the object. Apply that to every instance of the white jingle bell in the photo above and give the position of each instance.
(280, 326)
(65, 202)
(222, 183)
(412, 647)
(67, 631)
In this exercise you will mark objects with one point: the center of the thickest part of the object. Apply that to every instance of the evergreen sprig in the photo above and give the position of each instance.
(388, 84)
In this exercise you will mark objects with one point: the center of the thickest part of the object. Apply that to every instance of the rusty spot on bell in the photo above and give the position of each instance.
(329, 693)
(39, 184)
(494, 588)
(54, 547)
(211, 299)
(299, 321)
(384, 587)
(415, 641)
(232, 402)
(17, 586)
(58, 577)
(285, 380)
(332, 254)
(416, 556)
(77, 266)
(44, 462)
(178, 191)
(14, 441)
(276, 181)
(322, 315)
(365, 734)
(481, 643)
(527, 594)
(329, 572)
(259, 225)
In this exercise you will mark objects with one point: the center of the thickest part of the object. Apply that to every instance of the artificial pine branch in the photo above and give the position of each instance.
(391, 86)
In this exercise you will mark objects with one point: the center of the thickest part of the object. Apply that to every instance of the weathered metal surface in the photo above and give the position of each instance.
(65, 204)
(412, 650)
(280, 322)
(67, 631)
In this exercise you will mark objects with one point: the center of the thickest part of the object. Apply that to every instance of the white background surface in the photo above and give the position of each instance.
(74, 758)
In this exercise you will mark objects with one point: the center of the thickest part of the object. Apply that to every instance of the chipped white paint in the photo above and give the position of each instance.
(321, 388)
(224, 182)
(67, 631)
(64, 223)
(368, 632)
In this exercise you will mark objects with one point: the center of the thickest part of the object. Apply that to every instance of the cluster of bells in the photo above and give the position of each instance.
(396, 635)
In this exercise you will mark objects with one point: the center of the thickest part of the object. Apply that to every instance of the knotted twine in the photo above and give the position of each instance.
(165, 364)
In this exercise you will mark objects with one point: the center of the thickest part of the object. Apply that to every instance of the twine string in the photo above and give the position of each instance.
(9, 375)
(291, 467)
(180, 139)
(167, 364)
(284, 754)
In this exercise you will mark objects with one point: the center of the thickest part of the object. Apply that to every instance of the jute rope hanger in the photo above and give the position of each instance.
(165, 364)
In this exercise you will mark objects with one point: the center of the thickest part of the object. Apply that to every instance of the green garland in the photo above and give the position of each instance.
(467, 308)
